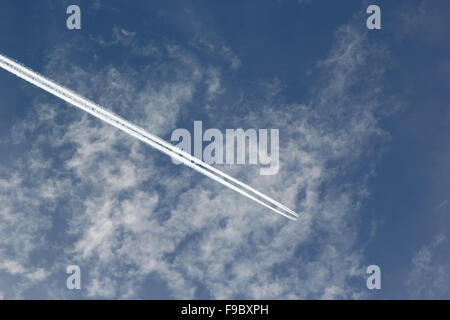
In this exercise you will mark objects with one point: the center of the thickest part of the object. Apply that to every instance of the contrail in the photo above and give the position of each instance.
(139, 133)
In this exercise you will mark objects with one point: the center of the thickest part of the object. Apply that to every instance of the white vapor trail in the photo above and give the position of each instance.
(139, 133)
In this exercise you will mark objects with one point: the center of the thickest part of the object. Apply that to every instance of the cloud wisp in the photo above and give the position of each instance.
(85, 193)
(139, 133)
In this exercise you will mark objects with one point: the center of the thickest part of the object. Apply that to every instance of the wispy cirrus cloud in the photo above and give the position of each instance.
(428, 277)
(125, 214)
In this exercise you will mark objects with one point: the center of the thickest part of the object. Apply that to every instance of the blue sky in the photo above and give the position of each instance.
(364, 126)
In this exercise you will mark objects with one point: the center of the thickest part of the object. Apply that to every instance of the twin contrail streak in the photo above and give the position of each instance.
(139, 133)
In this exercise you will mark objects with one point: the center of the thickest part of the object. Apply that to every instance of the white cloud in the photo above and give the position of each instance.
(37, 275)
(428, 277)
(12, 267)
(130, 216)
